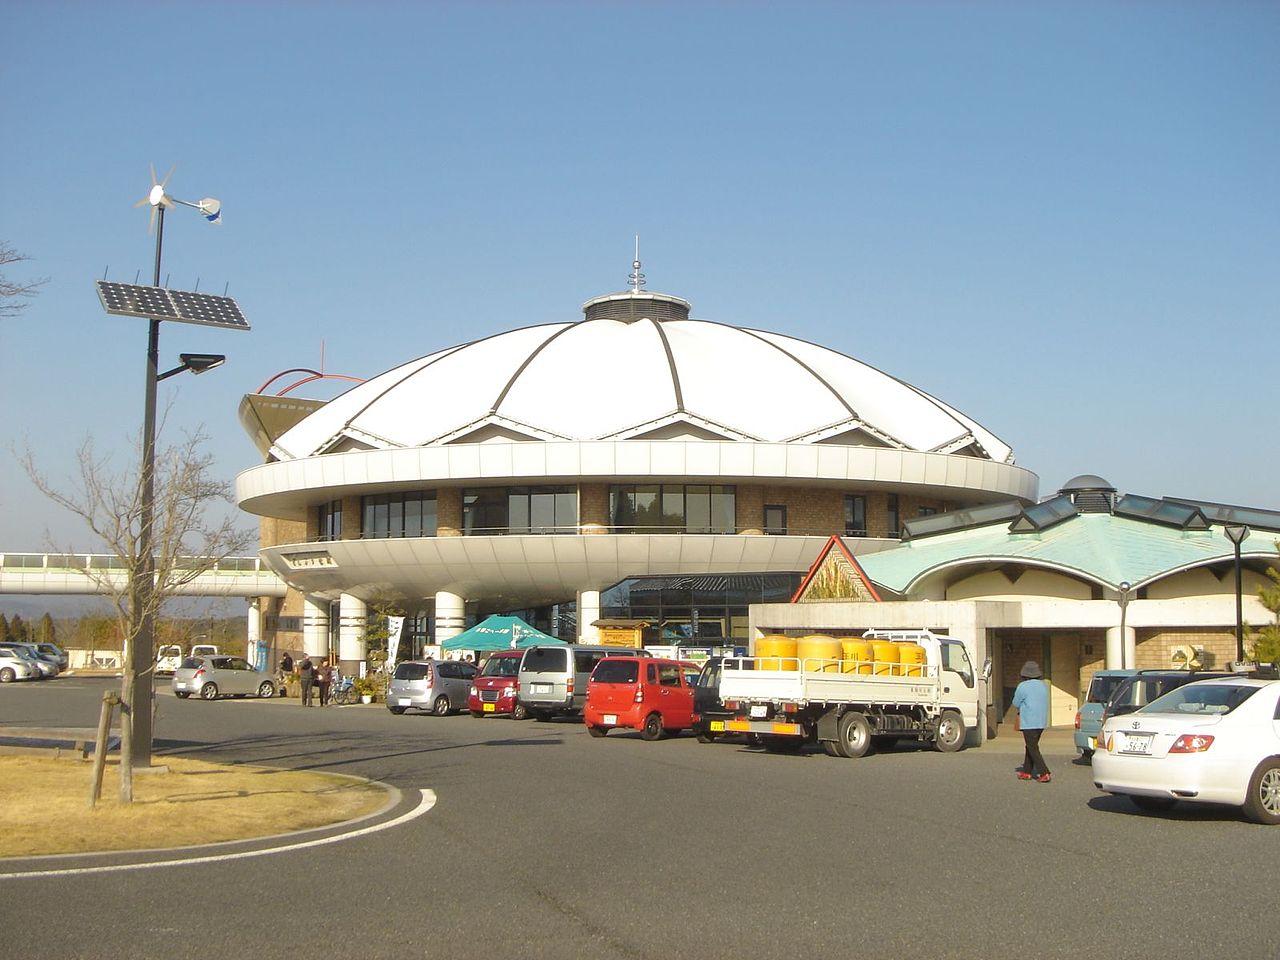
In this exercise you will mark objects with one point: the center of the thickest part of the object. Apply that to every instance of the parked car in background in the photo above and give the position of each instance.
(45, 668)
(1102, 686)
(14, 666)
(1144, 686)
(439, 686)
(494, 689)
(1213, 741)
(55, 655)
(214, 677)
(553, 679)
(204, 650)
(649, 694)
(169, 658)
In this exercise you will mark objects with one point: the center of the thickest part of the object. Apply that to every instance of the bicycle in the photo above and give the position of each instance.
(344, 692)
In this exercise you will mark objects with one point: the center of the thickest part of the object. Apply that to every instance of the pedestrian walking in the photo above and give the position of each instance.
(1031, 700)
(307, 676)
(324, 677)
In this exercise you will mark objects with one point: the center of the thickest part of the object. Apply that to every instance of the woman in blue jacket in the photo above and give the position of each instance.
(1031, 700)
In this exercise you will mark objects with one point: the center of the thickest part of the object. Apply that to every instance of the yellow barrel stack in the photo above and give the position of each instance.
(886, 657)
(819, 653)
(777, 652)
(858, 655)
(912, 657)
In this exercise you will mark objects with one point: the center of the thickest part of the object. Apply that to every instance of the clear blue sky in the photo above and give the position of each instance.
(1059, 218)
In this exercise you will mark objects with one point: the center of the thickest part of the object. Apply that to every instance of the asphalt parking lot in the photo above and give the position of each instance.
(545, 842)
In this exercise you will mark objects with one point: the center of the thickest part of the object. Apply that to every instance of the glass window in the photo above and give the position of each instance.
(895, 522)
(544, 660)
(616, 671)
(501, 667)
(697, 509)
(1201, 699)
(669, 674)
(413, 517)
(518, 510)
(724, 517)
(673, 506)
(399, 515)
(855, 515)
(330, 520)
(775, 519)
(412, 671)
(926, 511)
(542, 510)
(956, 659)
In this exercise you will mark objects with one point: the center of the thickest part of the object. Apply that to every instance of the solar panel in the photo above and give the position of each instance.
(132, 300)
(159, 303)
(208, 310)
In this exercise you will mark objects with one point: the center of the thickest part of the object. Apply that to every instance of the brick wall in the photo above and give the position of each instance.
(449, 512)
(1154, 650)
(593, 508)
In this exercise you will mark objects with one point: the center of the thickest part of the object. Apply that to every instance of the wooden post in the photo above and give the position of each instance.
(109, 700)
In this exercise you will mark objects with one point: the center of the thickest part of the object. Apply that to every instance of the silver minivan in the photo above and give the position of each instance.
(441, 686)
(553, 679)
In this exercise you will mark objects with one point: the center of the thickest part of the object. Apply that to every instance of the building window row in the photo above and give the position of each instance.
(410, 514)
(672, 508)
(498, 510)
(329, 516)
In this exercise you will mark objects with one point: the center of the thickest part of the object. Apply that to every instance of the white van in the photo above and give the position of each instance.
(553, 679)
(168, 659)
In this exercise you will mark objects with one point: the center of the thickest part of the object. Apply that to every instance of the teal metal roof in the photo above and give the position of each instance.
(1098, 547)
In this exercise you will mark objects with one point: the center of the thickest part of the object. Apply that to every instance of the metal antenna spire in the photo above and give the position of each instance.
(637, 278)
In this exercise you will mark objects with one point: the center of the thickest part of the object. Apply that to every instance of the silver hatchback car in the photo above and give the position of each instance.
(440, 686)
(222, 676)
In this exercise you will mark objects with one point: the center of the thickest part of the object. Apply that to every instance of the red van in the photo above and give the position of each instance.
(649, 694)
(495, 687)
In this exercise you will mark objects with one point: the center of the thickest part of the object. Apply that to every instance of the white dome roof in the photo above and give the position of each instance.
(619, 374)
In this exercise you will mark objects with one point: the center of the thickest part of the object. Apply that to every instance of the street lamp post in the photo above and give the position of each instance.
(155, 304)
(1238, 533)
(1125, 589)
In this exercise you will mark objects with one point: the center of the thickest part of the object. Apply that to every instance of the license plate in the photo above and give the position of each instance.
(406, 702)
(610, 719)
(760, 711)
(717, 725)
(542, 688)
(489, 707)
(1137, 743)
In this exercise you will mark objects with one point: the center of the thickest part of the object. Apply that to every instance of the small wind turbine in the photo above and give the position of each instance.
(210, 208)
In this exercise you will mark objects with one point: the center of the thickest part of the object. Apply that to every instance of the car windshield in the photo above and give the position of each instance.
(1101, 689)
(413, 671)
(501, 667)
(1211, 699)
(23, 653)
(615, 671)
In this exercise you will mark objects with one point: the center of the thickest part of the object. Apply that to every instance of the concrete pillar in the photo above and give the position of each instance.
(254, 648)
(451, 616)
(588, 613)
(352, 614)
(315, 626)
(1118, 647)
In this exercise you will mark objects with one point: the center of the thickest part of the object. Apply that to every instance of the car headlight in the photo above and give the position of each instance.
(474, 692)
(508, 691)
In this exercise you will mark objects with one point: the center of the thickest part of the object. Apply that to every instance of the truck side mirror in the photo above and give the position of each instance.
(986, 670)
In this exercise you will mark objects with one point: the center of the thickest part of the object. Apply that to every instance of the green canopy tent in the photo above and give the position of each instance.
(499, 633)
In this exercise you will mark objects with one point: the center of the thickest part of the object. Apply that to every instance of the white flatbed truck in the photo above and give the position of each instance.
(847, 711)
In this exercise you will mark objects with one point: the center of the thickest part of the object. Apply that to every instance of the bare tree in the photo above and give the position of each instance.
(188, 540)
(11, 291)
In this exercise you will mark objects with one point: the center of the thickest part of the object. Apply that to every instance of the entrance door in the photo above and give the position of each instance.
(1064, 679)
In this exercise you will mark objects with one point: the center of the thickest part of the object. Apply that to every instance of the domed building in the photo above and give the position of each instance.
(682, 468)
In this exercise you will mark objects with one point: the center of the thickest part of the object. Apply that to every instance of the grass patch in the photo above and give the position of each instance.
(194, 802)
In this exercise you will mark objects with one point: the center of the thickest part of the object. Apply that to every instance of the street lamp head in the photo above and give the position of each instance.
(1237, 533)
(195, 362)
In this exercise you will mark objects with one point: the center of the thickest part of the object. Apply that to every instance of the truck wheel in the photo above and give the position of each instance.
(706, 738)
(1263, 803)
(854, 735)
(652, 729)
(830, 748)
(950, 732)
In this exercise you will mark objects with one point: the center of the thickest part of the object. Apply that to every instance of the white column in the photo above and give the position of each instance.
(253, 648)
(315, 626)
(352, 614)
(588, 613)
(1118, 646)
(451, 616)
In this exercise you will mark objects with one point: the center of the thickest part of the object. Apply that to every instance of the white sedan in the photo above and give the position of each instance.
(1214, 741)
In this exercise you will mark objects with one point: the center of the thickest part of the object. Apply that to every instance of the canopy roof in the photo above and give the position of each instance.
(499, 633)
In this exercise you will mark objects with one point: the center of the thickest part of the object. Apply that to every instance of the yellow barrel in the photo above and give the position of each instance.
(886, 656)
(912, 657)
(857, 656)
(776, 652)
(819, 648)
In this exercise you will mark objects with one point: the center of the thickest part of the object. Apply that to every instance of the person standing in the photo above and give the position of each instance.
(324, 677)
(306, 676)
(1031, 700)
